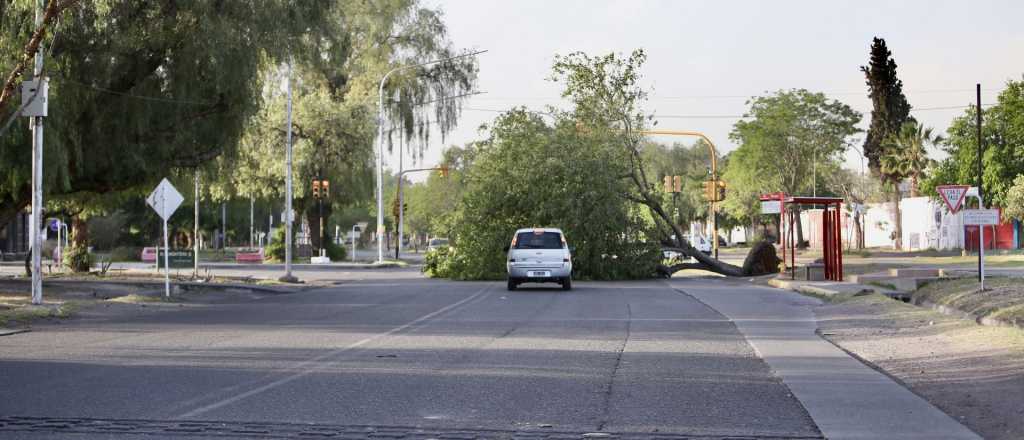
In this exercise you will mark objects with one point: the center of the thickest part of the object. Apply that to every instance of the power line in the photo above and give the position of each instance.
(736, 96)
(133, 96)
(697, 116)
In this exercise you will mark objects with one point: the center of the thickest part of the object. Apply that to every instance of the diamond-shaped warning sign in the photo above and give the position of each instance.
(953, 195)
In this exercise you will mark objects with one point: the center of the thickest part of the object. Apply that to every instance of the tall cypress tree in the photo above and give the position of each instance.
(890, 108)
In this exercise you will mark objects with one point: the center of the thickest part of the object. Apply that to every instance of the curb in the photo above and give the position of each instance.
(183, 285)
(13, 331)
(957, 313)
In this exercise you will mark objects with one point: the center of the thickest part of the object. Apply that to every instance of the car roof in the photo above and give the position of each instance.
(534, 229)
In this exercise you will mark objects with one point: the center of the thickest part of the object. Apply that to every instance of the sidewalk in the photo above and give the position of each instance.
(845, 398)
(939, 351)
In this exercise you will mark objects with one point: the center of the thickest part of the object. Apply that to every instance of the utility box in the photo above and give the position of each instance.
(814, 272)
(38, 105)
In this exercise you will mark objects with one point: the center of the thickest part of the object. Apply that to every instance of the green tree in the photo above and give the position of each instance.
(607, 99)
(135, 95)
(691, 162)
(792, 140)
(529, 173)
(889, 106)
(1014, 204)
(1003, 158)
(335, 107)
(907, 154)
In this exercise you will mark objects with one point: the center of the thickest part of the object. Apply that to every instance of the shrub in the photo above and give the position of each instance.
(275, 250)
(126, 253)
(78, 259)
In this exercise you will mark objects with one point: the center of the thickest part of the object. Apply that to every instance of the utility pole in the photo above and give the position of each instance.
(981, 228)
(37, 172)
(252, 221)
(288, 278)
(223, 225)
(195, 230)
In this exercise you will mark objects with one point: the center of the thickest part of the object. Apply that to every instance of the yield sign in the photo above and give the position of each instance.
(165, 199)
(953, 195)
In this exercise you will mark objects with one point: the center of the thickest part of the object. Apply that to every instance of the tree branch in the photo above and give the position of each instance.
(53, 9)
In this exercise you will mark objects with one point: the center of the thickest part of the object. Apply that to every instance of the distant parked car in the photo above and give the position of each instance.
(148, 255)
(435, 243)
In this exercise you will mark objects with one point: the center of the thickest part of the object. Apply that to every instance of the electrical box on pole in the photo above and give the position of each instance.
(34, 97)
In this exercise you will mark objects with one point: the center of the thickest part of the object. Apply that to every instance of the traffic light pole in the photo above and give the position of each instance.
(714, 174)
(401, 200)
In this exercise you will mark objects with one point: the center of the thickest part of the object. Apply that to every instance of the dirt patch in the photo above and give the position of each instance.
(17, 310)
(972, 372)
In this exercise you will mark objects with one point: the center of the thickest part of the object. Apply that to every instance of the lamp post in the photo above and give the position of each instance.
(380, 145)
(288, 277)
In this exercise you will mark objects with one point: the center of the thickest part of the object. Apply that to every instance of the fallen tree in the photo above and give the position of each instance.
(607, 97)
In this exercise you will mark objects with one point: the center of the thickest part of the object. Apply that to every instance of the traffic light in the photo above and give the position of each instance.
(316, 189)
(677, 184)
(325, 187)
(720, 190)
(709, 190)
(668, 184)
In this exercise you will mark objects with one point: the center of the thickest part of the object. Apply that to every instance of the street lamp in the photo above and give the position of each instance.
(288, 277)
(380, 148)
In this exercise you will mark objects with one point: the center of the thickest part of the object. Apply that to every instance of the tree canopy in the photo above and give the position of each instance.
(1003, 158)
(532, 174)
(889, 106)
(792, 138)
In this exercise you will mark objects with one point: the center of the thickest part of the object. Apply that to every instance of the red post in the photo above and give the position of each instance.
(792, 247)
(839, 239)
(826, 242)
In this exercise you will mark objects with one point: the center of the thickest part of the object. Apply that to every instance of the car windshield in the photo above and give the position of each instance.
(544, 240)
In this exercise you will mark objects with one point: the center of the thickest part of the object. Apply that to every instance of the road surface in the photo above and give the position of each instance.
(398, 356)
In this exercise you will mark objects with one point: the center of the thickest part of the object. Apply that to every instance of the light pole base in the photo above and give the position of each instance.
(288, 279)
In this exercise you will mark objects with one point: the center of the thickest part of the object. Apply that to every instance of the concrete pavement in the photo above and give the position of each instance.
(846, 399)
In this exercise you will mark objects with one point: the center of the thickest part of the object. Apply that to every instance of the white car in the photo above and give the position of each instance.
(539, 255)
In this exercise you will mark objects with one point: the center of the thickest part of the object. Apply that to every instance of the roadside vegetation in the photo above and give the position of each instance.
(17, 309)
(1002, 299)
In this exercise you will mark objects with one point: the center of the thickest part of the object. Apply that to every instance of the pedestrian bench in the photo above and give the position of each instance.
(249, 257)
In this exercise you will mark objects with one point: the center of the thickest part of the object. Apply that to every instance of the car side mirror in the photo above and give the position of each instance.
(505, 248)
(572, 249)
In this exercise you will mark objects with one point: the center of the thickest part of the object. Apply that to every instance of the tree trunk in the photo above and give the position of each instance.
(800, 243)
(913, 186)
(899, 220)
(858, 230)
(78, 260)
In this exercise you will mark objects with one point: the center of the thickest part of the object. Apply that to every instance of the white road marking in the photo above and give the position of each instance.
(312, 365)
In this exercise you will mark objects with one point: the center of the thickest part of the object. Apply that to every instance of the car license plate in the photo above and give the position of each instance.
(538, 273)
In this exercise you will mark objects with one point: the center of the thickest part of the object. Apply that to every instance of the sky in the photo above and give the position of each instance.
(706, 58)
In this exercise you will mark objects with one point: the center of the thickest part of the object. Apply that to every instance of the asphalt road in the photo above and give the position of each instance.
(403, 353)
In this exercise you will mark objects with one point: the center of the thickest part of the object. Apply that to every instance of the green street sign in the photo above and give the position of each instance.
(179, 259)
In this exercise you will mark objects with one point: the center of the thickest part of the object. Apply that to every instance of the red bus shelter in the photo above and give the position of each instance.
(832, 239)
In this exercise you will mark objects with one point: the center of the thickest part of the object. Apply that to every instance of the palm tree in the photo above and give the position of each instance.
(906, 156)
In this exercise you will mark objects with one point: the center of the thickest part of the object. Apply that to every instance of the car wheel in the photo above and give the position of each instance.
(567, 283)
(511, 284)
